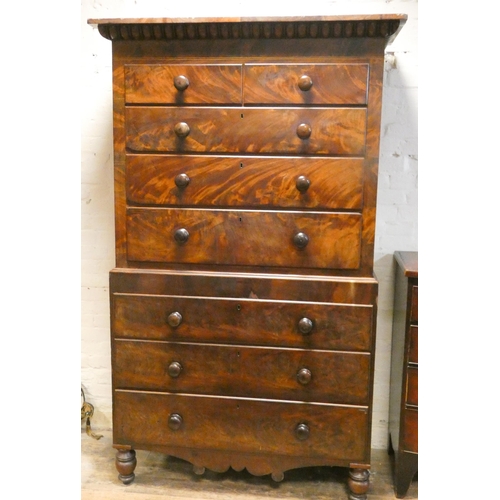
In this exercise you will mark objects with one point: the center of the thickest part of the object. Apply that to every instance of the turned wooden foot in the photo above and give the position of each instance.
(125, 465)
(358, 482)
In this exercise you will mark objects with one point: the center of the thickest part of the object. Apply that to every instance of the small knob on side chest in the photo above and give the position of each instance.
(174, 319)
(181, 235)
(302, 183)
(175, 421)
(304, 376)
(300, 240)
(305, 326)
(304, 131)
(302, 432)
(181, 82)
(182, 180)
(305, 83)
(182, 129)
(174, 369)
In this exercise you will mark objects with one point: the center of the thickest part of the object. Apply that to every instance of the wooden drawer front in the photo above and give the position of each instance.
(412, 388)
(413, 354)
(244, 237)
(207, 84)
(410, 430)
(414, 305)
(249, 181)
(332, 84)
(262, 426)
(243, 321)
(333, 377)
(244, 130)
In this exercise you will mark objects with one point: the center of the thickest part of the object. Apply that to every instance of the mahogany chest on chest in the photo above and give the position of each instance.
(243, 302)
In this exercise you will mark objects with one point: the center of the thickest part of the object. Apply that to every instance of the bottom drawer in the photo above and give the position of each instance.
(410, 430)
(328, 432)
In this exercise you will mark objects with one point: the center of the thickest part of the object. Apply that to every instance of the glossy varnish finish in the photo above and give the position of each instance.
(243, 303)
(403, 416)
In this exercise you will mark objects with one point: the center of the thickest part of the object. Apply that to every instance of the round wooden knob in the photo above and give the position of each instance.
(302, 432)
(305, 83)
(174, 319)
(305, 326)
(182, 129)
(181, 83)
(182, 180)
(304, 376)
(300, 240)
(174, 369)
(304, 131)
(302, 183)
(175, 421)
(181, 235)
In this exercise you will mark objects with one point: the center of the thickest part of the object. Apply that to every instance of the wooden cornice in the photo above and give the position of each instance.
(369, 26)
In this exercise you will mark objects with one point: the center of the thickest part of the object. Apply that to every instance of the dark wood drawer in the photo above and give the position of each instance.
(206, 84)
(414, 305)
(410, 430)
(412, 387)
(244, 237)
(333, 84)
(243, 425)
(413, 353)
(246, 130)
(242, 321)
(289, 374)
(249, 181)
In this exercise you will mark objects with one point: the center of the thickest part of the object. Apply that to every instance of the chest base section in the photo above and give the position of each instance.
(245, 371)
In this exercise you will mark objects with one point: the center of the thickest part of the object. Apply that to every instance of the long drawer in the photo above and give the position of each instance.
(304, 325)
(244, 237)
(289, 374)
(319, 183)
(283, 428)
(326, 131)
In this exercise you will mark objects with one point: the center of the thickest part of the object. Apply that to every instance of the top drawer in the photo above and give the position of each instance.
(183, 84)
(309, 84)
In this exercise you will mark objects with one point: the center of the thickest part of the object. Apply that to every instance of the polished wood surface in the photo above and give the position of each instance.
(246, 130)
(164, 476)
(310, 84)
(331, 377)
(243, 321)
(243, 303)
(244, 237)
(264, 428)
(403, 408)
(201, 84)
(245, 181)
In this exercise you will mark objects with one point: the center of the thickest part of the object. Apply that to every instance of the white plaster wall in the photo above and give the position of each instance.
(397, 202)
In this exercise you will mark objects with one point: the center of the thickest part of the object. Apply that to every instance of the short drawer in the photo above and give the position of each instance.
(244, 237)
(413, 352)
(410, 430)
(183, 84)
(327, 131)
(304, 325)
(309, 84)
(282, 428)
(412, 387)
(231, 181)
(289, 374)
(414, 304)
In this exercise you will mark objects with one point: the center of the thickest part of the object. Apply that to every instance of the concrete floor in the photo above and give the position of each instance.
(159, 476)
